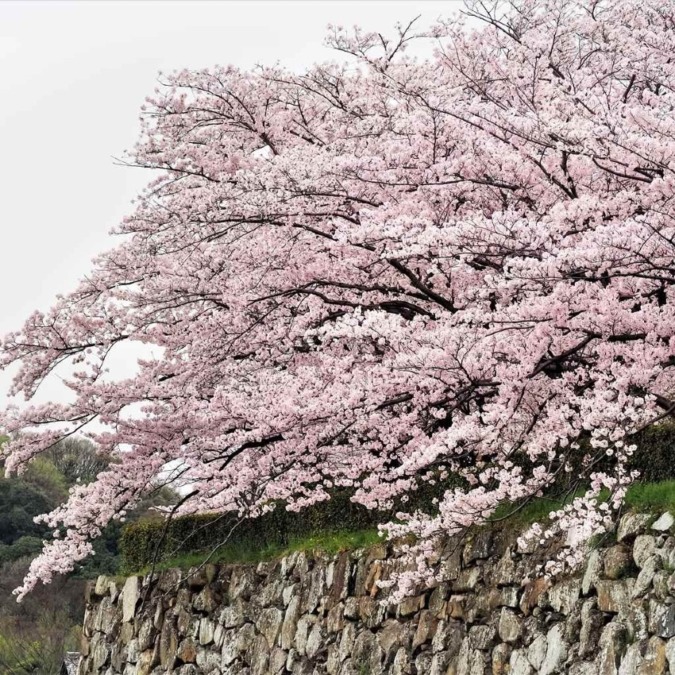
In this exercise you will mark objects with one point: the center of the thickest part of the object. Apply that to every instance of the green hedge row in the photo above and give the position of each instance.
(655, 457)
(146, 541)
(140, 541)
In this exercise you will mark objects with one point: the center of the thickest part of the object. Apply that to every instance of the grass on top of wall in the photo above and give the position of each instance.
(642, 497)
(652, 498)
(328, 542)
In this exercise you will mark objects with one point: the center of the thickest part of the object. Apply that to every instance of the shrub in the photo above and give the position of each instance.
(140, 541)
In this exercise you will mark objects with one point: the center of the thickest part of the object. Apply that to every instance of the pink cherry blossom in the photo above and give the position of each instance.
(383, 271)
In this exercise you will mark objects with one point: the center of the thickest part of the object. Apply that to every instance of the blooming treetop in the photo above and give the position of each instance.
(383, 271)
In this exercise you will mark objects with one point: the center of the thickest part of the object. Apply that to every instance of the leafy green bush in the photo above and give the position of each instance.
(21, 548)
(655, 457)
(145, 542)
(140, 542)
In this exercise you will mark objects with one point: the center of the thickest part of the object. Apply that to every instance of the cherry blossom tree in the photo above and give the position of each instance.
(383, 271)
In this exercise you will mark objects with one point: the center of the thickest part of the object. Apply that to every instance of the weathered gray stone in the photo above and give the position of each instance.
(500, 659)
(632, 524)
(510, 626)
(670, 654)
(661, 584)
(205, 601)
(478, 546)
(158, 617)
(634, 618)
(564, 595)
(107, 617)
(242, 583)
(631, 660)
(133, 652)
(618, 562)
(101, 586)
(654, 660)
(612, 648)
(439, 664)
(232, 615)
(482, 637)
(508, 596)
(426, 629)
(519, 663)
(230, 650)
(288, 593)
(407, 607)
(130, 596)
(277, 661)
(467, 580)
(643, 548)
(438, 599)
(592, 621)
(556, 651)
(663, 523)
(206, 631)
(335, 621)
(449, 637)
(314, 590)
(662, 619)
(393, 636)
(536, 652)
(314, 641)
(423, 662)
(505, 573)
(269, 624)
(219, 636)
(613, 595)
(347, 641)
(302, 633)
(100, 654)
(646, 576)
(271, 594)
(370, 611)
(207, 661)
(401, 664)
(592, 572)
(367, 654)
(470, 661)
(168, 646)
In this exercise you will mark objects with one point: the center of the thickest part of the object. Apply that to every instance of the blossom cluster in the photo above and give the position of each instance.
(382, 272)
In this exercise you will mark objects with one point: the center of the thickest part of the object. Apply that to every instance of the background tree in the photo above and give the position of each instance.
(77, 459)
(378, 273)
(35, 634)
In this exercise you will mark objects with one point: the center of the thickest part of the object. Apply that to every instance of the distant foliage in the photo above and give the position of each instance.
(78, 460)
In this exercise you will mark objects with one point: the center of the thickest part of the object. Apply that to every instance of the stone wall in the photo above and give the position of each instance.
(309, 615)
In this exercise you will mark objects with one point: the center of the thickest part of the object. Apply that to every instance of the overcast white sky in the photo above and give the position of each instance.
(73, 76)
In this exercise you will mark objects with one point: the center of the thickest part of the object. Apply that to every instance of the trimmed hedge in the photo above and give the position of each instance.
(139, 541)
(655, 457)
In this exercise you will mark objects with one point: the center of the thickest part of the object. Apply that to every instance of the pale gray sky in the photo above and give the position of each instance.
(73, 76)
